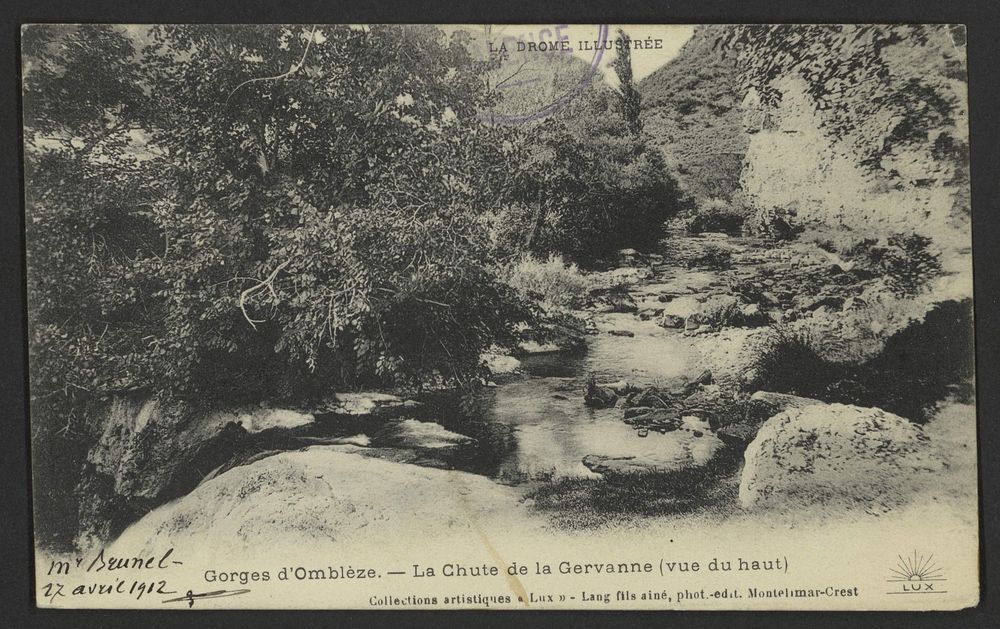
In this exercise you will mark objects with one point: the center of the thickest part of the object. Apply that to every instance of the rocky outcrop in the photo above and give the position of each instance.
(834, 454)
(852, 157)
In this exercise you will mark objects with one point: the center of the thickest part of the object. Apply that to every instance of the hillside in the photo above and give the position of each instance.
(691, 110)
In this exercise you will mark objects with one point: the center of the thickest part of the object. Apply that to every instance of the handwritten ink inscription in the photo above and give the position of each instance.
(107, 575)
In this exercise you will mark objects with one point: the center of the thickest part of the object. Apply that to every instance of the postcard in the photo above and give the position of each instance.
(549, 316)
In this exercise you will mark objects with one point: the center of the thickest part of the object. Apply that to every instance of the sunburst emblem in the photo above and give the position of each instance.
(916, 568)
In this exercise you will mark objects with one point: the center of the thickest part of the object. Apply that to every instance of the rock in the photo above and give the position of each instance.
(703, 329)
(369, 403)
(534, 347)
(323, 500)
(266, 418)
(410, 433)
(614, 301)
(709, 403)
(834, 454)
(704, 378)
(360, 441)
(750, 311)
(830, 301)
(620, 387)
(630, 257)
(671, 321)
(658, 418)
(623, 465)
(627, 333)
(763, 405)
(737, 435)
(599, 397)
(635, 411)
(618, 278)
(652, 397)
(501, 363)
(148, 452)
(702, 394)
(691, 324)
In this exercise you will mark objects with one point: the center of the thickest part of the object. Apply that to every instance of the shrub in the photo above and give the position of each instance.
(772, 222)
(552, 282)
(918, 366)
(907, 262)
(715, 215)
(788, 360)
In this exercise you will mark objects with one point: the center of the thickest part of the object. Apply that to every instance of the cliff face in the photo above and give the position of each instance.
(870, 134)
(854, 128)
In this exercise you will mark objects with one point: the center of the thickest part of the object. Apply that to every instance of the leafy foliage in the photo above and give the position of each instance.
(551, 282)
(588, 186)
(629, 99)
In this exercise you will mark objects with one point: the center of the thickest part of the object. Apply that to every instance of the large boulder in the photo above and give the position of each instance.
(834, 454)
(321, 500)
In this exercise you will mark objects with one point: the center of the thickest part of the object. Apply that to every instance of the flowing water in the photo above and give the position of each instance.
(552, 427)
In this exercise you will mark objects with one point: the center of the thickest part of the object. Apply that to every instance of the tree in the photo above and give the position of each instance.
(629, 99)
